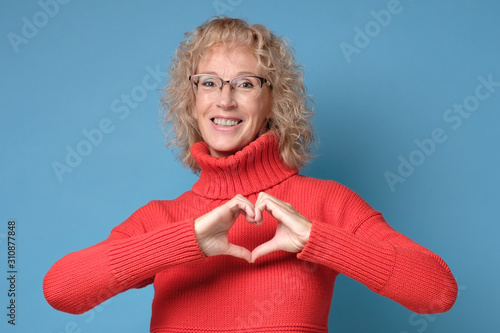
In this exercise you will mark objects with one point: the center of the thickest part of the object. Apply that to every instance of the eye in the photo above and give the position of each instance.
(208, 82)
(245, 83)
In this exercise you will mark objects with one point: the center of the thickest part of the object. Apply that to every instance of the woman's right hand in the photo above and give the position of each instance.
(212, 228)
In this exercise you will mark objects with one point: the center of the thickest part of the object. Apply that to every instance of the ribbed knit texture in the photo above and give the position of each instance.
(254, 169)
(281, 292)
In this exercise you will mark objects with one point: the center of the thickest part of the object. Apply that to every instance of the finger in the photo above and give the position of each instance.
(263, 249)
(238, 252)
(240, 204)
(260, 206)
(245, 206)
(250, 219)
(286, 214)
(280, 210)
(277, 208)
(266, 196)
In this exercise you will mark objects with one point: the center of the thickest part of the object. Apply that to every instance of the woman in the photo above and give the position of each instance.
(253, 246)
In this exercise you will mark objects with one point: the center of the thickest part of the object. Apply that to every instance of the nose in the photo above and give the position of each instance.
(226, 99)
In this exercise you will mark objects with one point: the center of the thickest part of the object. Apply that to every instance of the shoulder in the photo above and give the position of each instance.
(332, 199)
(154, 214)
(322, 187)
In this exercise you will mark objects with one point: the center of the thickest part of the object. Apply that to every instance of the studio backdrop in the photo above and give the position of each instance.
(407, 103)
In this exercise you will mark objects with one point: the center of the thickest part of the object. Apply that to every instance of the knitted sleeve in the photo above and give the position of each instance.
(129, 258)
(368, 250)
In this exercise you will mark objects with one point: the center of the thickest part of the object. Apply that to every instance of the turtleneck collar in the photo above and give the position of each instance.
(253, 169)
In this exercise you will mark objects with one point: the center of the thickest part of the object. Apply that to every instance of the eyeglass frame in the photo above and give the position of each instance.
(224, 82)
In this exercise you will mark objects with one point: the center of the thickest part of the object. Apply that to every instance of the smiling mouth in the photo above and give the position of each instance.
(225, 122)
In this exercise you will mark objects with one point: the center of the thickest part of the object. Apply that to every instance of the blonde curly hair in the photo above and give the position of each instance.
(291, 113)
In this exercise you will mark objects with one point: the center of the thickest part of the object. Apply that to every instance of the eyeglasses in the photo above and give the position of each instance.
(241, 86)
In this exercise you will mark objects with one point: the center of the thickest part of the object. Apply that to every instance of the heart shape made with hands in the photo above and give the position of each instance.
(212, 228)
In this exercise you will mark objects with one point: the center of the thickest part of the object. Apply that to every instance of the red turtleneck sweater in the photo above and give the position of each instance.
(281, 292)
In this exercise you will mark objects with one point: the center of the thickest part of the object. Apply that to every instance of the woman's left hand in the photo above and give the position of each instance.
(292, 232)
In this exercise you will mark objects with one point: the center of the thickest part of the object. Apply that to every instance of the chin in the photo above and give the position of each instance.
(226, 144)
(226, 149)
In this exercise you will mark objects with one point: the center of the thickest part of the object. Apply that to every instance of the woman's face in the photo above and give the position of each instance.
(228, 122)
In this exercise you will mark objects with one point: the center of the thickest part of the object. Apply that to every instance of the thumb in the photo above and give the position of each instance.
(238, 252)
(265, 248)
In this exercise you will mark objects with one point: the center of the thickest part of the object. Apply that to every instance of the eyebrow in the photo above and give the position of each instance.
(237, 74)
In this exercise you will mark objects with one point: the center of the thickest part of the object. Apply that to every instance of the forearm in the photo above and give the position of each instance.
(81, 280)
(387, 263)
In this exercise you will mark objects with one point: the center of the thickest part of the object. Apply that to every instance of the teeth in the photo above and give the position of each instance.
(225, 122)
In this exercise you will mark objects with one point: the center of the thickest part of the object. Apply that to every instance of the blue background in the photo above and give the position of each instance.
(68, 75)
